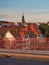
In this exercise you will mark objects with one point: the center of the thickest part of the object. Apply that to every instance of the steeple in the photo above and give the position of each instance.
(23, 20)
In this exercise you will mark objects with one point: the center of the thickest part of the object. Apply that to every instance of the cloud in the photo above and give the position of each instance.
(40, 15)
(2, 16)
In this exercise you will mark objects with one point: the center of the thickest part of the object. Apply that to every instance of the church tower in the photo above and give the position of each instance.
(23, 20)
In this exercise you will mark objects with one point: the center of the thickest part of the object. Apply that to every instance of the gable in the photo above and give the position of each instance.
(8, 35)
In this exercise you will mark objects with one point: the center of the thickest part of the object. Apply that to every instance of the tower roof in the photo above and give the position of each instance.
(23, 20)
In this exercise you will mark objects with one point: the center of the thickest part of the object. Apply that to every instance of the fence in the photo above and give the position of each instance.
(31, 43)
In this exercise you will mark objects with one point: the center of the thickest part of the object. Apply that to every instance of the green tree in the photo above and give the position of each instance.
(44, 29)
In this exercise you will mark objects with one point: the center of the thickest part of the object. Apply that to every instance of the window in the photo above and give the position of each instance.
(26, 36)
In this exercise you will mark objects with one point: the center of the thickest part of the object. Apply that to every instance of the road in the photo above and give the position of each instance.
(13, 61)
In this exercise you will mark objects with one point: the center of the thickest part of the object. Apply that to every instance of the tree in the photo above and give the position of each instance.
(44, 29)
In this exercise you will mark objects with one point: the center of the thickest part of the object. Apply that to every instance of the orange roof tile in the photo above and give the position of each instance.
(36, 33)
(21, 33)
(32, 28)
(25, 28)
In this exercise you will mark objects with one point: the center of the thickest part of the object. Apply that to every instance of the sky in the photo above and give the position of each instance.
(34, 10)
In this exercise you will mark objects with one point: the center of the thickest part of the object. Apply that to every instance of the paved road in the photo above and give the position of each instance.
(13, 61)
(25, 51)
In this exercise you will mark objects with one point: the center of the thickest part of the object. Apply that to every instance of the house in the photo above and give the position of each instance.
(4, 23)
(8, 35)
(11, 23)
(22, 29)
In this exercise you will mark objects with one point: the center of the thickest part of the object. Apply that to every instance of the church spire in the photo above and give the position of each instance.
(23, 20)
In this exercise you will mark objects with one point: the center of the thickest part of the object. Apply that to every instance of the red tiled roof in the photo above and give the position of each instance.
(11, 23)
(25, 28)
(14, 30)
(34, 29)
(4, 21)
(22, 34)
